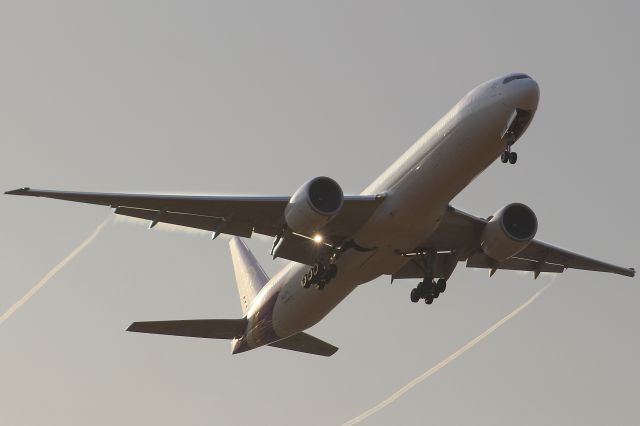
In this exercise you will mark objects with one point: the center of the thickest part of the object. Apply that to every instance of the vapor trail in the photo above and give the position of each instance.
(51, 273)
(406, 388)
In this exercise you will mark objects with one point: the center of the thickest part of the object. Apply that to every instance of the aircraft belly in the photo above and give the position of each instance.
(299, 308)
(418, 193)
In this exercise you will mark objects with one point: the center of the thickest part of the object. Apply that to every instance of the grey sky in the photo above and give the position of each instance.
(237, 97)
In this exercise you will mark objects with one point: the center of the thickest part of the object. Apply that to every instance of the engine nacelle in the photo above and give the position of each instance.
(313, 205)
(509, 231)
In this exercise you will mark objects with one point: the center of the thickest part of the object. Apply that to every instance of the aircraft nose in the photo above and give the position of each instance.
(524, 94)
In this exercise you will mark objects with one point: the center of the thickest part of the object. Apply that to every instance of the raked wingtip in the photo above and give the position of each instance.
(20, 191)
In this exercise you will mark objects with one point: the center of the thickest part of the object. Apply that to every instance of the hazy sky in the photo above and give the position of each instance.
(238, 97)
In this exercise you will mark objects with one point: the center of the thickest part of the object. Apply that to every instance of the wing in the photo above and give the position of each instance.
(221, 214)
(461, 232)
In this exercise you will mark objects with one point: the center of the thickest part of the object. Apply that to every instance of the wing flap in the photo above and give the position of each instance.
(543, 252)
(206, 223)
(443, 268)
(303, 342)
(299, 249)
(481, 260)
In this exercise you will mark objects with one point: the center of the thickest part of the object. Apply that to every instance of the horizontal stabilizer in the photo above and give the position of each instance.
(303, 342)
(205, 328)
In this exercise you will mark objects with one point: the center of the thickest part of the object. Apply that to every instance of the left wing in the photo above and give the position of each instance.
(225, 214)
(460, 233)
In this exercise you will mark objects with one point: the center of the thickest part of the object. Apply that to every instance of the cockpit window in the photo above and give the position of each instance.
(514, 77)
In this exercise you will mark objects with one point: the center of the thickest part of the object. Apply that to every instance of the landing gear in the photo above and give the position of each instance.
(428, 289)
(508, 156)
(319, 274)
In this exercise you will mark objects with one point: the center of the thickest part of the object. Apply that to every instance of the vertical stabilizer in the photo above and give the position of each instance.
(250, 277)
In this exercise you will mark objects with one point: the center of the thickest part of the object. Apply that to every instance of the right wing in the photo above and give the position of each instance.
(225, 214)
(460, 233)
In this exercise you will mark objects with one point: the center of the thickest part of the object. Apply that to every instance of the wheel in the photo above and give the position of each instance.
(305, 282)
(441, 285)
(315, 269)
(428, 300)
(415, 295)
(332, 271)
(320, 286)
(513, 157)
(504, 157)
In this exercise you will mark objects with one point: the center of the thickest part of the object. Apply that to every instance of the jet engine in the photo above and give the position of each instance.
(509, 231)
(313, 205)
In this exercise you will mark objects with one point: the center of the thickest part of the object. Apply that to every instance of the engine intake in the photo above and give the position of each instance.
(313, 205)
(509, 231)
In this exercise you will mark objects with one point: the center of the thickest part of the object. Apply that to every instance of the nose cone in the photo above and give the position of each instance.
(523, 94)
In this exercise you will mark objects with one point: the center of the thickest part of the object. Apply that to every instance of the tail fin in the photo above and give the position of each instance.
(250, 277)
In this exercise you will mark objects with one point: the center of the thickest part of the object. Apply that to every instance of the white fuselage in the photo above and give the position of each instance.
(418, 188)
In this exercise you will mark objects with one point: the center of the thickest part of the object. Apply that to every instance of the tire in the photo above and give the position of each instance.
(428, 300)
(441, 285)
(414, 295)
(305, 281)
(332, 271)
(513, 158)
(504, 157)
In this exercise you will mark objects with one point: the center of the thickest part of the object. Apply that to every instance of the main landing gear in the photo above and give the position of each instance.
(319, 275)
(428, 290)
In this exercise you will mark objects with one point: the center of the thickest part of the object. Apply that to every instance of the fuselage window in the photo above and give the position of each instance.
(514, 77)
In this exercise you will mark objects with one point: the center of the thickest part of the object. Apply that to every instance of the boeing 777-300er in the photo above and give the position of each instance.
(401, 225)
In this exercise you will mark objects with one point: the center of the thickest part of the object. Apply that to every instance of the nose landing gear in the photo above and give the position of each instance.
(509, 156)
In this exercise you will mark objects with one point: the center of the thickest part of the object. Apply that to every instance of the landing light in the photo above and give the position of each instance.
(317, 238)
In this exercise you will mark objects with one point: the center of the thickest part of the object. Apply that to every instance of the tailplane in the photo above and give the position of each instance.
(250, 278)
(205, 328)
(303, 342)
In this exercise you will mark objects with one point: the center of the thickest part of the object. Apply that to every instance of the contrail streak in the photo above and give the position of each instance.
(51, 273)
(406, 388)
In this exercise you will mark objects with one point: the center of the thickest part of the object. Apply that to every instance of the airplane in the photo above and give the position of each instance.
(402, 225)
